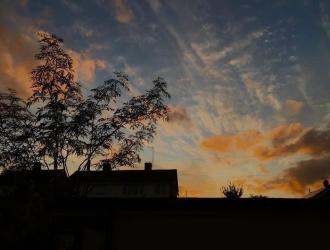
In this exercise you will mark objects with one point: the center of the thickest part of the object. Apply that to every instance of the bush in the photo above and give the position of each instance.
(232, 191)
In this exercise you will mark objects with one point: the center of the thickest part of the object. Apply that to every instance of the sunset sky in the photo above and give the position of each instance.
(250, 80)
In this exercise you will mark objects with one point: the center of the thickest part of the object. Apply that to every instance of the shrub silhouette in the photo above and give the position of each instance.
(232, 192)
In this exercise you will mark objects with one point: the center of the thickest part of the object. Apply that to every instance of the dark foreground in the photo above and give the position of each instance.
(165, 224)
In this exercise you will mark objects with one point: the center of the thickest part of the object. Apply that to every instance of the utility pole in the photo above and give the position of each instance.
(153, 155)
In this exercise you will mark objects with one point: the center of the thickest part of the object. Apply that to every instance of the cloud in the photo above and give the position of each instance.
(232, 143)
(279, 142)
(179, 115)
(85, 65)
(293, 107)
(271, 186)
(260, 144)
(310, 171)
(17, 49)
(264, 93)
(307, 174)
(124, 13)
(314, 142)
(178, 125)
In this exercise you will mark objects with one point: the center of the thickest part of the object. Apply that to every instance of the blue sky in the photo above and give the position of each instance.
(242, 74)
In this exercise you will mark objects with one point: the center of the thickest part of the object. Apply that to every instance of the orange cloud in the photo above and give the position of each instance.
(17, 49)
(232, 143)
(85, 66)
(279, 184)
(280, 141)
(307, 174)
(311, 141)
(124, 13)
(293, 107)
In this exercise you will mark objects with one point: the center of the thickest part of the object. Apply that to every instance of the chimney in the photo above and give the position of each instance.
(148, 166)
(106, 166)
(36, 167)
(326, 184)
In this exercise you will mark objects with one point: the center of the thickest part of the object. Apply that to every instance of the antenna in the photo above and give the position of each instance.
(153, 155)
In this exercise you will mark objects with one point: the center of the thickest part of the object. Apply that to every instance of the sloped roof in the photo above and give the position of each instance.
(47, 177)
(126, 175)
(13, 176)
(323, 193)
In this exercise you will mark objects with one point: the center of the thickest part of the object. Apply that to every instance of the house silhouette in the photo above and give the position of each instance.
(106, 183)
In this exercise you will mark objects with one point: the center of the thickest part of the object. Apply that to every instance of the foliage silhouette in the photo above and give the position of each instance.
(55, 90)
(58, 123)
(258, 196)
(17, 134)
(232, 192)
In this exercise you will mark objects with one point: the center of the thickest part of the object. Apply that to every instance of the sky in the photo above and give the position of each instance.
(249, 80)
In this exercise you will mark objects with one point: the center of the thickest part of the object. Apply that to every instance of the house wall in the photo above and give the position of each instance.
(128, 190)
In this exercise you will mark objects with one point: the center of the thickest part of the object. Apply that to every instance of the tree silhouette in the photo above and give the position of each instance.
(57, 94)
(232, 192)
(100, 127)
(17, 133)
(58, 122)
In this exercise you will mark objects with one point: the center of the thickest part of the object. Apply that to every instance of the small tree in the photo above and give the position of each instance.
(56, 94)
(232, 191)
